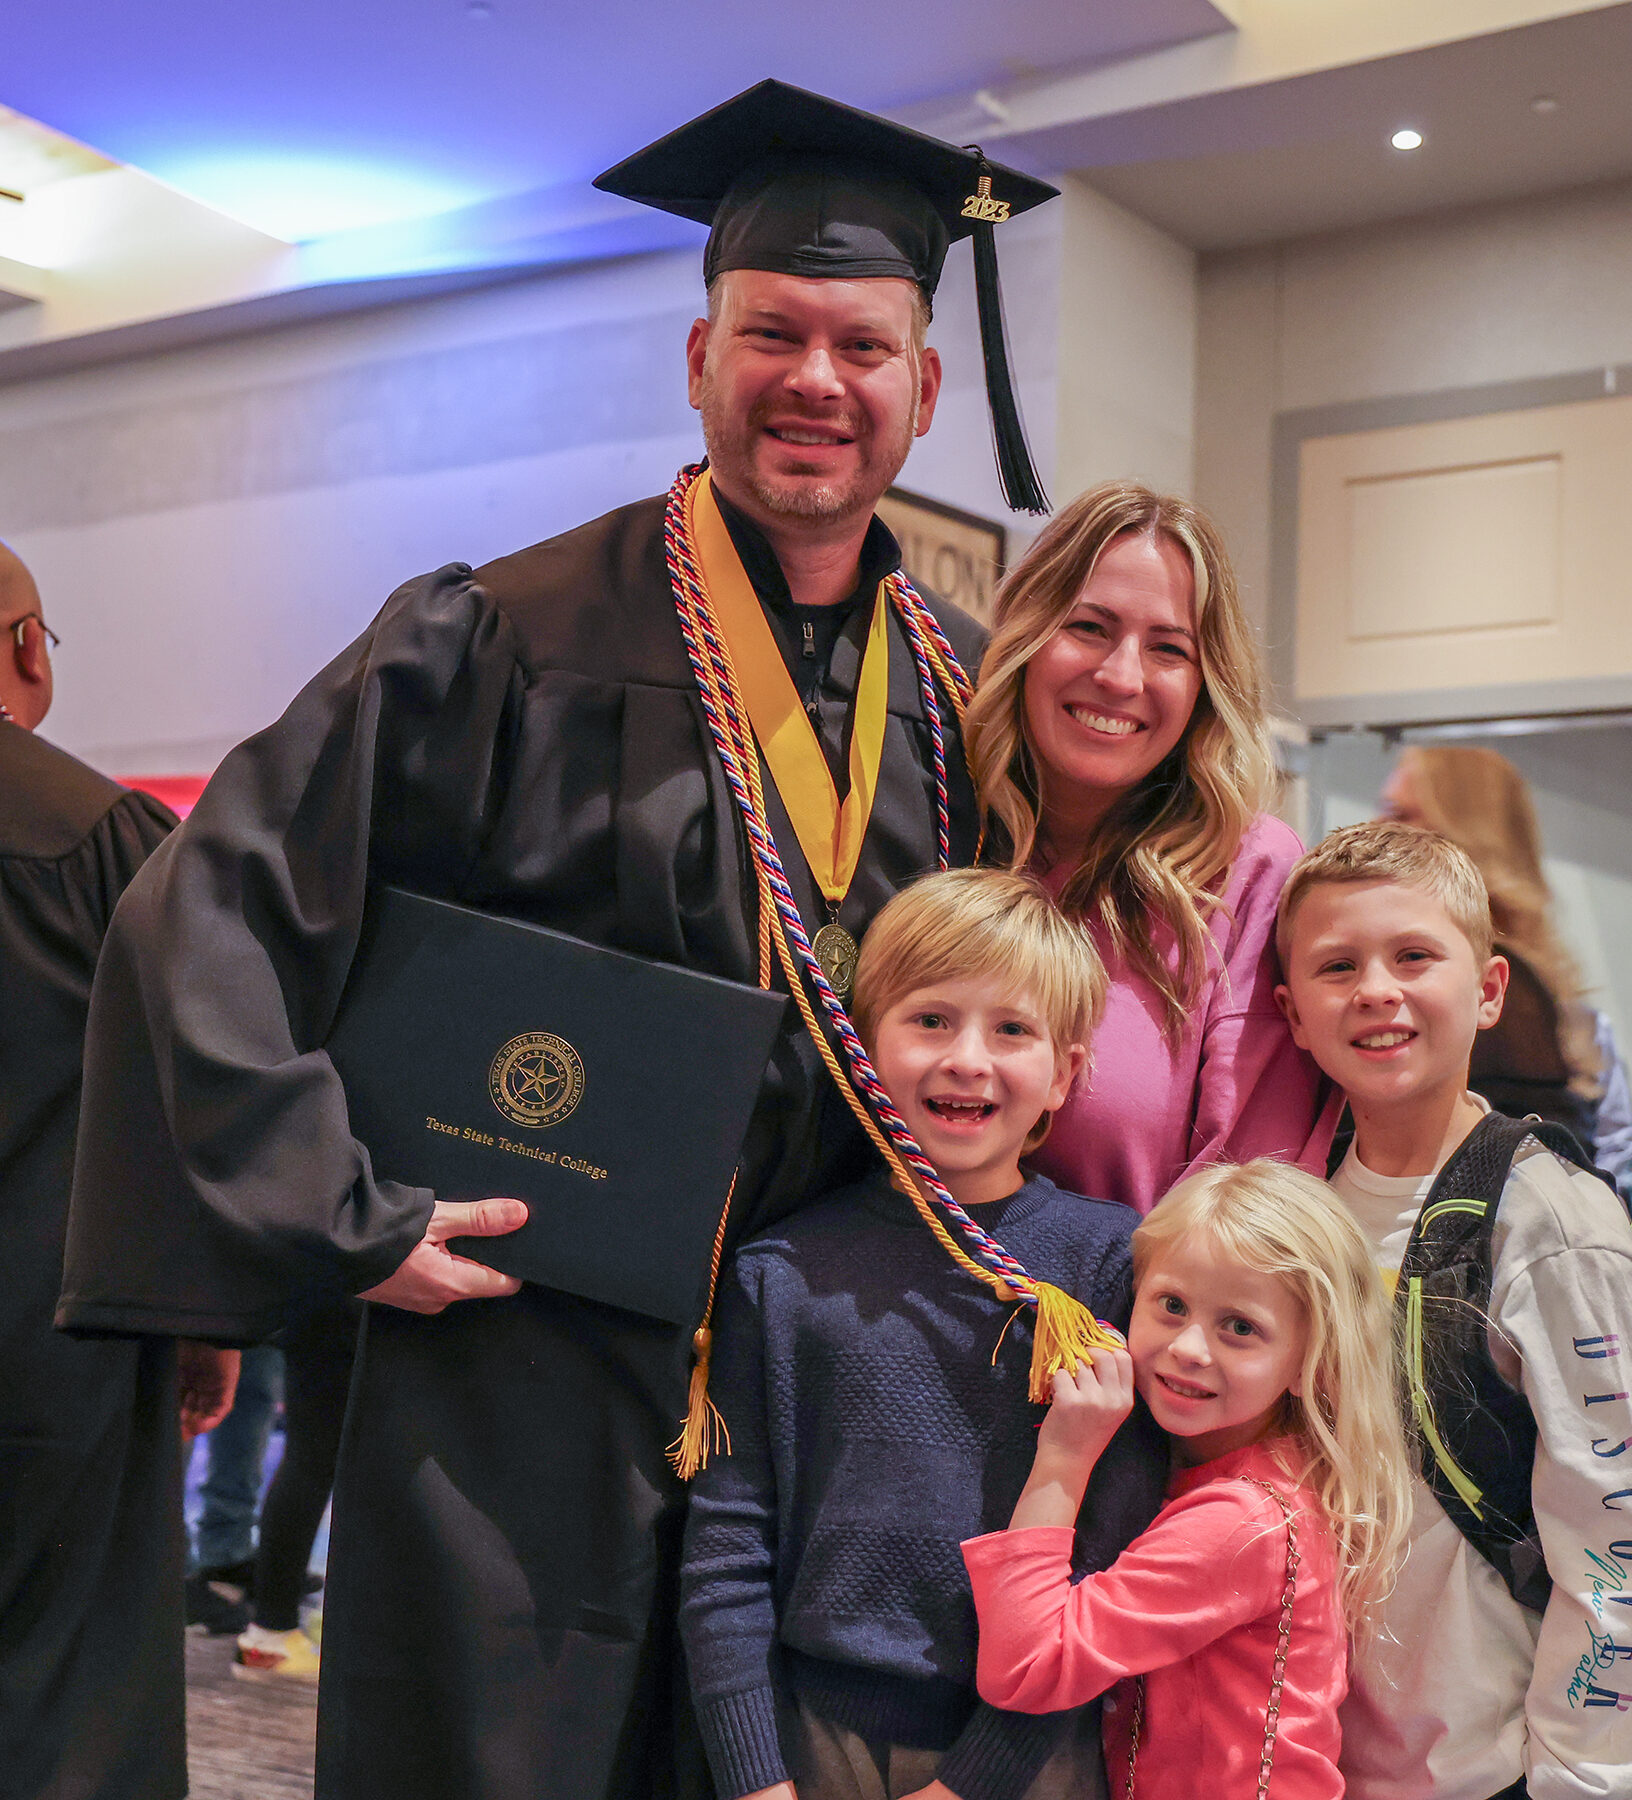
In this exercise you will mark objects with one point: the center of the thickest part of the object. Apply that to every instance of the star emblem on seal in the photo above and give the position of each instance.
(536, 1080)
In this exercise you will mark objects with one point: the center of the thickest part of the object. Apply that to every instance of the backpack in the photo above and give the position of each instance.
(1477, 1437)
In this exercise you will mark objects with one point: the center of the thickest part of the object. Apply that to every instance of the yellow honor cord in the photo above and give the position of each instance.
(830, 834)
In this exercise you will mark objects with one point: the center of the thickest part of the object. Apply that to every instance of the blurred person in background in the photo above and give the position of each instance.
(1551, 1053)
(319, 1344)
(221, 1565)
(92, 1702)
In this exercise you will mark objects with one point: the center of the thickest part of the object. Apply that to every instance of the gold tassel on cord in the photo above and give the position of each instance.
(1065, 1333)
(704, 1430)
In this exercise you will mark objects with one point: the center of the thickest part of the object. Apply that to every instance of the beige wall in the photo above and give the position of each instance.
(1509, 292)
(1127, 355)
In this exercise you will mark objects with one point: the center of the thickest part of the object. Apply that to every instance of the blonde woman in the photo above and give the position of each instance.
(1549, 1053)
(1120, 750)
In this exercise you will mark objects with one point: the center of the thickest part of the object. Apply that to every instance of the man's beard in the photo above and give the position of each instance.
(731, 445)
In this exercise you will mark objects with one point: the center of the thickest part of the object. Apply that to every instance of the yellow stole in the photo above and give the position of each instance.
(830, 834)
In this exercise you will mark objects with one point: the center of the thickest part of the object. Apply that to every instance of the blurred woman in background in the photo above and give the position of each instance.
(1550, 1053)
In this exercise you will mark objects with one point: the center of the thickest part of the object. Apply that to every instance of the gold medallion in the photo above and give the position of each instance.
(836, 952)
(536, 1079)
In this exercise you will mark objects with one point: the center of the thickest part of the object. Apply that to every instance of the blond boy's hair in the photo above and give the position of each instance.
(983, 923)
(1281, 1221)
(1386, 850)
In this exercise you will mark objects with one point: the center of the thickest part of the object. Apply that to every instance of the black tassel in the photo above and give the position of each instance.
(1022, 488)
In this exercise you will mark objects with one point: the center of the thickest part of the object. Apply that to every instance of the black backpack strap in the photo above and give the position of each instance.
(1477, 1437)
(1565, 1145)
(1342, 1138)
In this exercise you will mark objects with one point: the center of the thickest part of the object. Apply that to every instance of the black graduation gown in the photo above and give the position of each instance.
(500, 1615)
(92, 1704)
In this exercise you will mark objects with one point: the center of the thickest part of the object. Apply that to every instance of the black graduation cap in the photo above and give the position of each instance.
(797, 184)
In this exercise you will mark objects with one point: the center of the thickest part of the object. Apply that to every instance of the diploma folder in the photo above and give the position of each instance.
(481, 1055)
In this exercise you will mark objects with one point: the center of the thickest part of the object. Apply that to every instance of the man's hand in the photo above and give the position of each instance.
(431, 1276)
(209, 1379)
(784, 1790)
(1088, 1407)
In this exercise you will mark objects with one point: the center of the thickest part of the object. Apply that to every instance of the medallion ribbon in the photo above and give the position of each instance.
(830, 833)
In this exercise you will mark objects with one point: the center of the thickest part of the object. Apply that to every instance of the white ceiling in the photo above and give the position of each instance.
(311, 116)
(1312, 154)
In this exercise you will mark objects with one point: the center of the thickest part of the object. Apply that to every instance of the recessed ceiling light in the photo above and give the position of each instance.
(1406, 139)
(1544, 103)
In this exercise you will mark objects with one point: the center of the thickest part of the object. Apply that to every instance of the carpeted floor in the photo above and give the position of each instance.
(246, 1740)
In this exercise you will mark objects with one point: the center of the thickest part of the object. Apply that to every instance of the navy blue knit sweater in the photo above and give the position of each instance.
(871, 1432)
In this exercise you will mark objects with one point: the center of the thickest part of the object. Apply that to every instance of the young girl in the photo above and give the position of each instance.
(1260, 1342)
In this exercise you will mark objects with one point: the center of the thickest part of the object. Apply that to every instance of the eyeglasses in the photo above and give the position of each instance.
(16, 626)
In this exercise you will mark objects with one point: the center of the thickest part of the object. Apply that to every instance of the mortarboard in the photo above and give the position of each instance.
(797, 184)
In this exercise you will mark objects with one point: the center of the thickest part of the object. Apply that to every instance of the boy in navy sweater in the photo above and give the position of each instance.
(876, 1394)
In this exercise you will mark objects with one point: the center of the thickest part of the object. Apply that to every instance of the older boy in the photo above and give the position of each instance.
(878, 1407)
(1505, 1655)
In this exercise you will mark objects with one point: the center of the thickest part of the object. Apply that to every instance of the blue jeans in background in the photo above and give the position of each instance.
(235, 1455)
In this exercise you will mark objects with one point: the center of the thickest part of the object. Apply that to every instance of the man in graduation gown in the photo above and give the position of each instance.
(529, 739)
(92, 1705)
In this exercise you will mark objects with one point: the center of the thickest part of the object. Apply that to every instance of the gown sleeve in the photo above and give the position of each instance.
(216, 1173)
(130, 831)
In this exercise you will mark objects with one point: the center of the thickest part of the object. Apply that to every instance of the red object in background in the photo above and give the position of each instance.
(179, 792)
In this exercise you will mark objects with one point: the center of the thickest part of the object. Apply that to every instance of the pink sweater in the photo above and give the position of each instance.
(1233, 1087)
(1195, 1606)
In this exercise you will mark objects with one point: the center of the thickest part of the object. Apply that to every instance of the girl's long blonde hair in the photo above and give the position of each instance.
(1477, 799)
(1161, 855)
(1278, 1219)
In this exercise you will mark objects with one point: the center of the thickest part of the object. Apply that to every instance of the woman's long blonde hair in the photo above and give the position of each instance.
(1477, 799)
(1161, 854)
(1278, 1219)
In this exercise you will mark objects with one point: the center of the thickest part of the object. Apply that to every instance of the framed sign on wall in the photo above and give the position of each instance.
(957, 554)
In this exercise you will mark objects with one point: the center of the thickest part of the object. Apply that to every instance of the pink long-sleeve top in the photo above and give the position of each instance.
(1232, 1086)
(1193, 1605)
